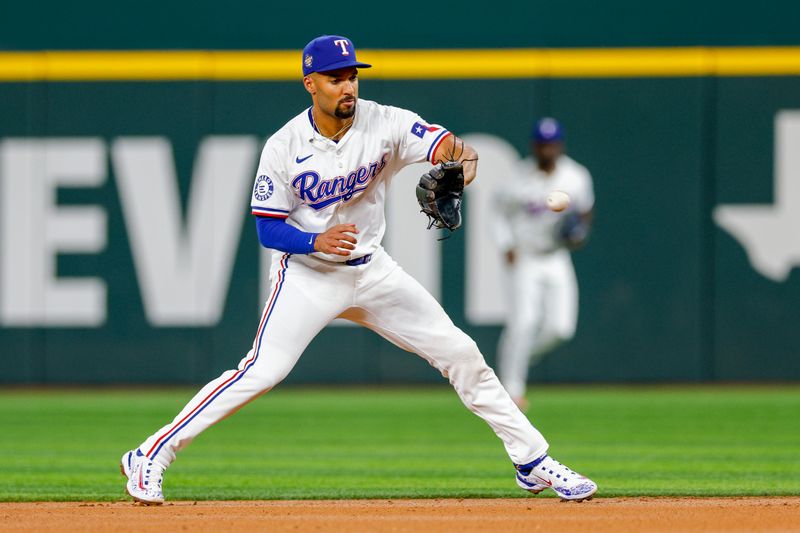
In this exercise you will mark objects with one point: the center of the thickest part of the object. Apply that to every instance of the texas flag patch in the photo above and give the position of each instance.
(420, 129)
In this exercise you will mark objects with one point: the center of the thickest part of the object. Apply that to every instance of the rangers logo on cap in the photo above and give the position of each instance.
(330, 52)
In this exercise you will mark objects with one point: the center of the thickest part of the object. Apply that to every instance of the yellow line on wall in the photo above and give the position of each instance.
(403, 64)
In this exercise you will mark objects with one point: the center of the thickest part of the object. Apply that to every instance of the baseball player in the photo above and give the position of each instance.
(537, 243)
(318, 199)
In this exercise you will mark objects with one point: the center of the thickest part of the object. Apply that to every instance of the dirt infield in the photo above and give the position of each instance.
(462, 516)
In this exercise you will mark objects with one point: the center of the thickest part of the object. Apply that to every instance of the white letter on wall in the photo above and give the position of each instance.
(408, 240)
(486, 293)
(34, 230)
(184, 268)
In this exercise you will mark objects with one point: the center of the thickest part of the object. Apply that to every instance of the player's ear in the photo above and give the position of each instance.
(308, 83)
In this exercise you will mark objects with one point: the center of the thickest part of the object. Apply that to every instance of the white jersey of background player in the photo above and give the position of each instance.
(319, 199)
(537, 242)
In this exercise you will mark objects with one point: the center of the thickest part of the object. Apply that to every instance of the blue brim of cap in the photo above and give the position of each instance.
(343, 64)
(545, 140)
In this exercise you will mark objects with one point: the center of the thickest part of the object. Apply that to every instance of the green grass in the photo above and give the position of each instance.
(391, 442)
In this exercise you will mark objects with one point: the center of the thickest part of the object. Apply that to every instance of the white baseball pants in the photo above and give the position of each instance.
(543, 314)
(307, 294)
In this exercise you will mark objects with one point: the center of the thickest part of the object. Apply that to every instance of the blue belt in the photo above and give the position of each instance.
(363, 260)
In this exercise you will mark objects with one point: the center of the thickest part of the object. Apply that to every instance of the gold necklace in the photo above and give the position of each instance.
(340, 132)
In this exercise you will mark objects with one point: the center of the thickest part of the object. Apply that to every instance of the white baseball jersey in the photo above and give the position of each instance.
(316, 183)
(525, 223)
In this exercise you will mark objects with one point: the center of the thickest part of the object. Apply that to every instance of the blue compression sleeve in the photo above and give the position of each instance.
(275, 233)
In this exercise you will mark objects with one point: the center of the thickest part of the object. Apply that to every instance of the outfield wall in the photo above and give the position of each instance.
(127, 254)
(252, 25)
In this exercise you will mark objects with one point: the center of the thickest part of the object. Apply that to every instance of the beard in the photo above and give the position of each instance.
(342, 112)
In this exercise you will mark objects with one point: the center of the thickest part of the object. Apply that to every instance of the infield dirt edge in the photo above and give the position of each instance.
(690, 514)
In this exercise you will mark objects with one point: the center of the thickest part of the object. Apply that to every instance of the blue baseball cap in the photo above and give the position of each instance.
(547, 130)
(329, 52)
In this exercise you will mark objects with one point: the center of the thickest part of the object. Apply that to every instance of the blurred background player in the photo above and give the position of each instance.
(536, 242)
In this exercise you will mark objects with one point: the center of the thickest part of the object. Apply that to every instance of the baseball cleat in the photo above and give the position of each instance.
(144, 478)
(545, 472)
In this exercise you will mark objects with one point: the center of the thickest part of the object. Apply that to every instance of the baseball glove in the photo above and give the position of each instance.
(573, 230)
(439, 193)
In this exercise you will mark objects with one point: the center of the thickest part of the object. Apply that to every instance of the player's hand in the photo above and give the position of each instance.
(510, 257)
(338, 240)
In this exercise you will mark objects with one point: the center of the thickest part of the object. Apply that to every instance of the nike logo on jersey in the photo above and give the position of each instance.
(299, 160)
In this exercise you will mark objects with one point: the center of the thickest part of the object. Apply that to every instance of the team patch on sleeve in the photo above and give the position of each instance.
(420, 129)
(262, 191)
(263, 188)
